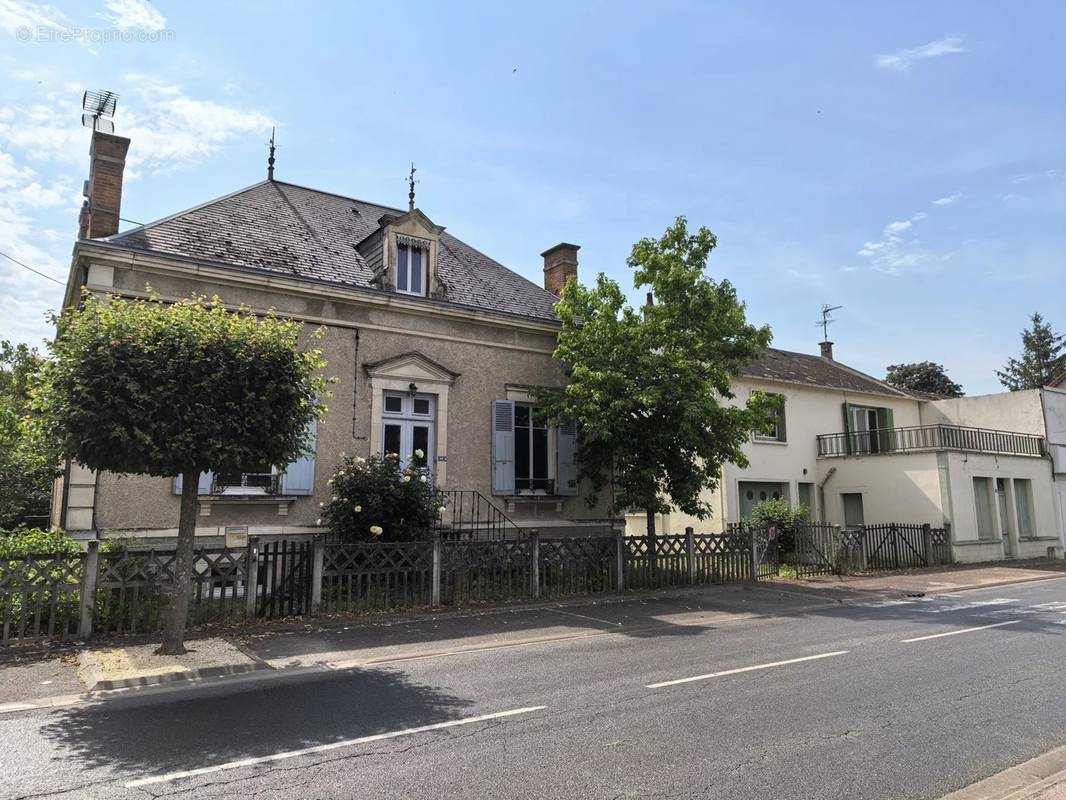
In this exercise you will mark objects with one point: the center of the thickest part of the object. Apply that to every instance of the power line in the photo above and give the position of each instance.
(31, 269)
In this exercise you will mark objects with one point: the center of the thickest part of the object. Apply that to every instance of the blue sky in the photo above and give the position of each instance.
(904, 160)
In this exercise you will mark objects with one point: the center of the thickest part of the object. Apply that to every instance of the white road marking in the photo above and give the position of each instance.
(582, 616)
(377, 737)
(744, 669)
(962, 630)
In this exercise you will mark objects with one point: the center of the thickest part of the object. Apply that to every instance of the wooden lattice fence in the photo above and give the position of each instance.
(40, 596)
(365, 576)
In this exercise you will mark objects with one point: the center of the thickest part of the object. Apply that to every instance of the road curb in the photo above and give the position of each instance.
(1025, 781)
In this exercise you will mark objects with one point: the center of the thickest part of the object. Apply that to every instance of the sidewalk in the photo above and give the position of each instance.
(30, 679)
(1041, 778)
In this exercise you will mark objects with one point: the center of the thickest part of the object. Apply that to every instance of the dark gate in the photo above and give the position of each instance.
(816, 549)
(284, 585)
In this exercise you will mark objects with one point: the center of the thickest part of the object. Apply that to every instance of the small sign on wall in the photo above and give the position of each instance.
(442, 458)
(236, 536)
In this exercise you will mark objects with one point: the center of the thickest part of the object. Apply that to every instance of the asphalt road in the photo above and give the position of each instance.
(852, 702)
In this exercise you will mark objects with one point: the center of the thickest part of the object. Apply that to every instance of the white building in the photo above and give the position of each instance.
(856, 450)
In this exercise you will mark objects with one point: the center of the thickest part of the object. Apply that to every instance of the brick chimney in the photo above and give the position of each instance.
(103, 190)
(560, 262)
(827, 350)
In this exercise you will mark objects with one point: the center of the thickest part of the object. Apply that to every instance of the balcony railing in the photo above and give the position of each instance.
(930, 437)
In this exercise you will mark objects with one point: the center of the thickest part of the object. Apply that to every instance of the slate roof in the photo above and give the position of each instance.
(817, 372)
(292, 230)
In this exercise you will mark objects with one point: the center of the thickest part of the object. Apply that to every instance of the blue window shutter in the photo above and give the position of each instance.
(503, 447)
(299, 476)
(566, 451)
(203, 487)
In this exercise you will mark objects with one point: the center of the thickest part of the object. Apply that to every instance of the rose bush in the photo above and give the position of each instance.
(376, 499)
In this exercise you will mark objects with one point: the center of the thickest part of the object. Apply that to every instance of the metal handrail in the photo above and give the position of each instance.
(470, 515)
(930, 437)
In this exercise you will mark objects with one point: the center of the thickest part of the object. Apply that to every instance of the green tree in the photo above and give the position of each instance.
(649, 390)
(178, 389)
(27, 463)
(923, 376)
(1043, 358)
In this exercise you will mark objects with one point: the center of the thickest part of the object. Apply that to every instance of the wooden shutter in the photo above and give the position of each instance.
(886, 422)
(847, 429)
(503, 447)
(299, 477)
(202, 487)
(566, 462)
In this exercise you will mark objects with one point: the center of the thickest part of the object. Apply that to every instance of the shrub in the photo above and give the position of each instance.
(374, 499)
(779, 514)
(33, 541)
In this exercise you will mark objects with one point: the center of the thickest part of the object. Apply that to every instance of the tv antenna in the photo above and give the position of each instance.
(99, 109)
(826, 320)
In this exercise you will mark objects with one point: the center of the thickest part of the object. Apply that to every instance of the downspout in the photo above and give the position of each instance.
(821, 492)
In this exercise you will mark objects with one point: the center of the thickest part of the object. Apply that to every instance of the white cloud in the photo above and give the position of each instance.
(15, 14)
(903, 60)
(947, 200)
(894, 253)
(894, 229)
(134, 15)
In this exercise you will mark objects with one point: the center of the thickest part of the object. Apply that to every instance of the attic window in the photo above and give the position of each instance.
(412, 260)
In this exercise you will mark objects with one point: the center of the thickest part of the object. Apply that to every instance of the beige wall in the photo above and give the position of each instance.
(1020, 412)
(488, 354)
(903, 487)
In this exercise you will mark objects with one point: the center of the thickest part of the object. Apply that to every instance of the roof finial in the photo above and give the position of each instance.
(270, 160)
(411, 183)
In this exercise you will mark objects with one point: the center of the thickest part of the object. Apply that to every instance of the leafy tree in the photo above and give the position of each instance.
(923, 376)
(27, 463)
(1043, 358)
(374, 499)
(649, 389)
(779, 514)
(178, 389)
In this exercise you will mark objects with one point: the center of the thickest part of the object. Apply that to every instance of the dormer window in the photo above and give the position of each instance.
(412, 258)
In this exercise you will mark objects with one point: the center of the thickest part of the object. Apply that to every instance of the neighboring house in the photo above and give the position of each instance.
(433, 343)
(856, 450)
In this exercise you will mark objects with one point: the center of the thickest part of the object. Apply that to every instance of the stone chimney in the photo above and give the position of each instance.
(827, 350)
(103, 190)
(560, 262)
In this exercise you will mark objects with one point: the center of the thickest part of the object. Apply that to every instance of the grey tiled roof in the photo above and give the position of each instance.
(815, 371)
(283, 228)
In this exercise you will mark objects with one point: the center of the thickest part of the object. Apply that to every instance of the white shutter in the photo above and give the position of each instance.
(202, 487)
(503, 447)
(299, 477)
(566, 466)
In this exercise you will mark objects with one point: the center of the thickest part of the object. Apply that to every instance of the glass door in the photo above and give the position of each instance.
(408, 429)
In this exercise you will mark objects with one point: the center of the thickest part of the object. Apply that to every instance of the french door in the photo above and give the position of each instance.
(409, 428)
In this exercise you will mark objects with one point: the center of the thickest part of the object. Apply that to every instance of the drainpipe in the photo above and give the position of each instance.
(821, 492)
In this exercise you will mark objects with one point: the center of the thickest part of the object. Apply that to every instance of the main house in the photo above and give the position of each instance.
(435, 347)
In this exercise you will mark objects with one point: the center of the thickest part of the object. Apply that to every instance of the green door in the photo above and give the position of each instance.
(754, 492)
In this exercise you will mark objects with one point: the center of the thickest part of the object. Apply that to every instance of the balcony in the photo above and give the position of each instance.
(929, 437)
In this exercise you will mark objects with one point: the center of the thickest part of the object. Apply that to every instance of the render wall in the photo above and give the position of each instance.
(1019, 412)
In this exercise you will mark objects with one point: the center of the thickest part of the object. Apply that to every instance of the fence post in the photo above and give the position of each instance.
(753, 555)
(534, 554)
(318, 560)
(690, 553)
(251, 577)
(435, 578)
(895, 546)
(620, 561)
(862, 548)
(927, 541)
(88, 589)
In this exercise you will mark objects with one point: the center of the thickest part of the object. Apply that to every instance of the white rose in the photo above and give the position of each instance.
(358, 509)
(422, 478)
(441, 510)
(376, 530)
(318, 522)
(419, 453)
(406, 478)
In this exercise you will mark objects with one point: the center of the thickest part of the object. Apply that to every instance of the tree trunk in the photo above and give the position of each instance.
(653, 554)
(174, 634)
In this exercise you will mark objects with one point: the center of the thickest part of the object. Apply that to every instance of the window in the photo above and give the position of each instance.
(870, 429)
(528, 456)
(776, 433)
(410, 268)
(806, 497)
(1023, 499)
(984, 500)
(854, 516)
(531, 450)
